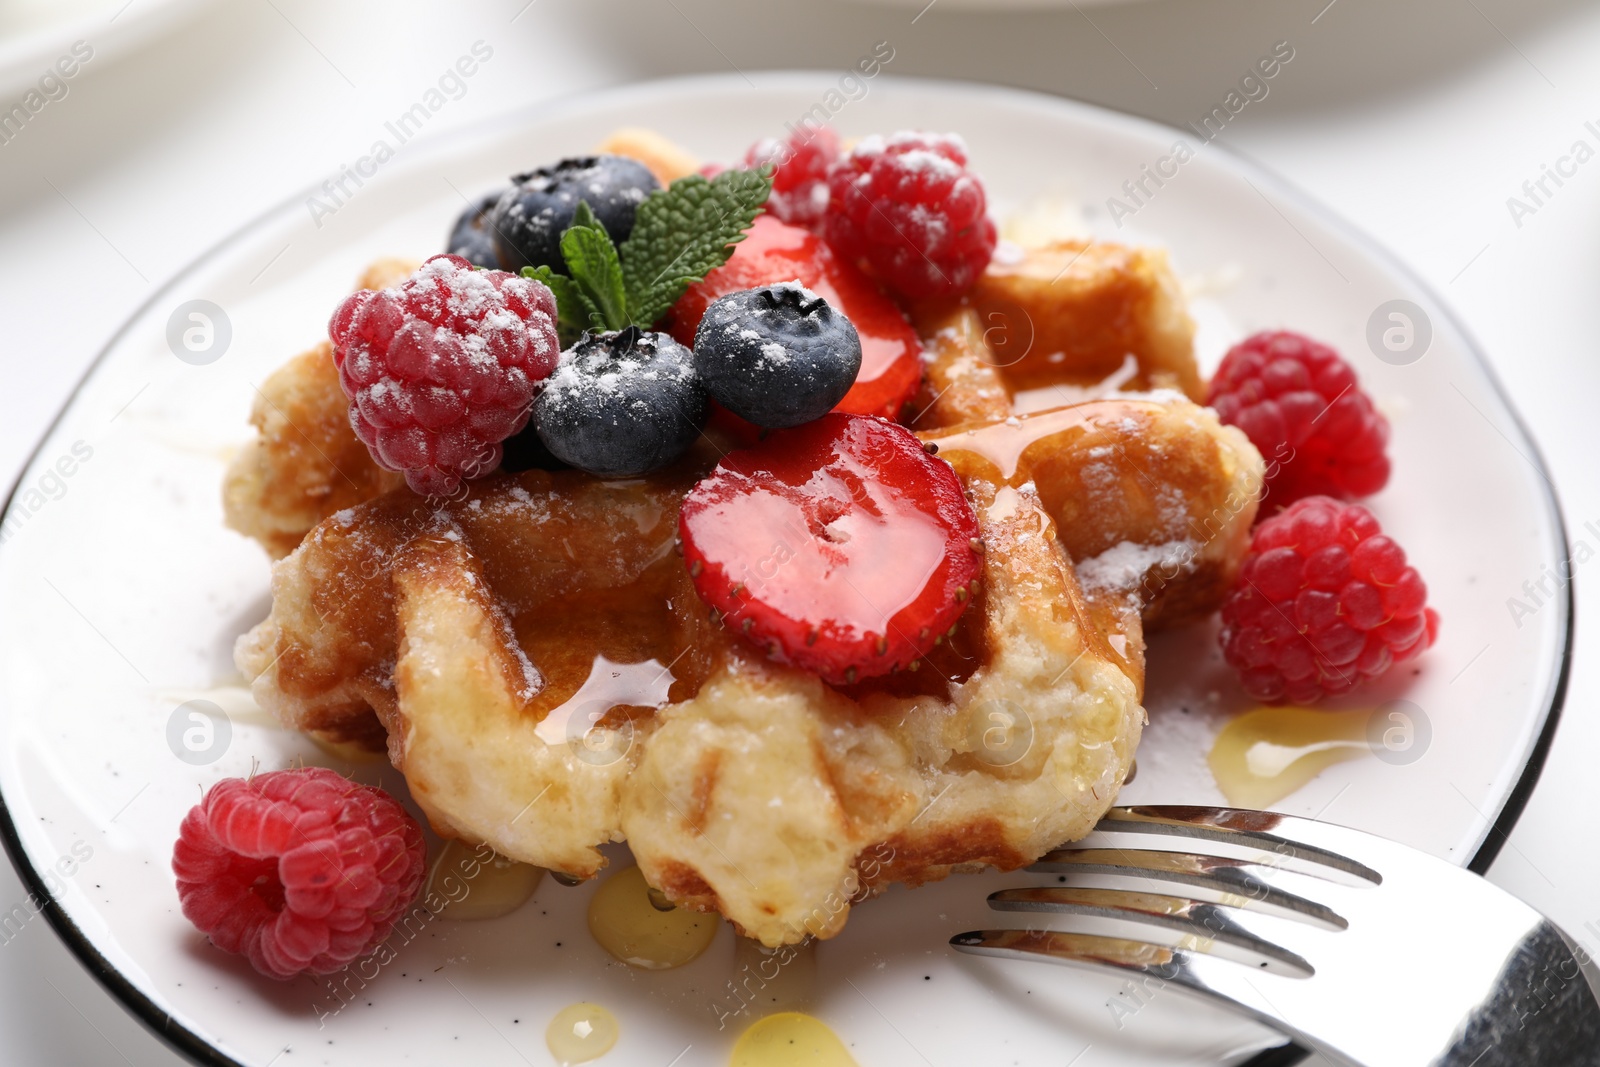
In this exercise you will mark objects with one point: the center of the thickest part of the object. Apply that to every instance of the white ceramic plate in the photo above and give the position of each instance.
(121, 595)
(34, 34)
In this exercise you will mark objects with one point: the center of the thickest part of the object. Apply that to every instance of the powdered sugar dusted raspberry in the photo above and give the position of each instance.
(442, 369)
(907, 206)
(800, 183)
(298, 870)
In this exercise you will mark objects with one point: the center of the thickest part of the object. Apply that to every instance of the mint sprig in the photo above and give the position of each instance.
(685, 233)
(680, 235)
(573, 310)
(592, 258)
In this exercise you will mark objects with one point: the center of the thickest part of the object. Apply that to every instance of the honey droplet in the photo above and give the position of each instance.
(1264, 755)
(628, 925)
(580, 1033)
(790, 1039)
(476, 882)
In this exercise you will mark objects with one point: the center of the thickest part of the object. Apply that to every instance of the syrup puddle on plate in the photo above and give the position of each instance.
(1264, 755)
(476, 882)
(790, 1039)
(641, 928)
(580, 1033)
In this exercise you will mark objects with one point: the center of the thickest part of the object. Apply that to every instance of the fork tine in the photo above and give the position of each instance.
(1166, 921)
(1060, 947)
(1195, 972)
(1263, 837)
(1139, 961)
(1213, 879)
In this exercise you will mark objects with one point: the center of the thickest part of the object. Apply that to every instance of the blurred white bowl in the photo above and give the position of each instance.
(35, 34)
(995, 5)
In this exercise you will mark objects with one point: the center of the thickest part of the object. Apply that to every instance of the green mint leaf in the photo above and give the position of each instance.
(597, 272)
(573, 310)
(684, 233)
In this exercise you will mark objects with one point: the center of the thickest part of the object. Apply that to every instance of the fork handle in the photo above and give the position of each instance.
(1543, 1011)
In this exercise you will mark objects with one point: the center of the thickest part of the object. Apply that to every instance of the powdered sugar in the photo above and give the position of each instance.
(1156, 396)
(1125, 566)
(794, 285)
(922, 161)
(579, 376)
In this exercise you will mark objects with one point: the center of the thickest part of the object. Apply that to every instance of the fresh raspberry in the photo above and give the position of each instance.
(442, 369)
(800, 183)
(774, 252)
(1324, 601)
(911, 210)
(1299, 404)
(839, 546)
(299, 870)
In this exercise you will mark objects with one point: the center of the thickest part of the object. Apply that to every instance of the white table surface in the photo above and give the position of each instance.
(1416, 119)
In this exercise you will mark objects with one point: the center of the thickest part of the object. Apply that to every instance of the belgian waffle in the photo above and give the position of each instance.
(536, 662)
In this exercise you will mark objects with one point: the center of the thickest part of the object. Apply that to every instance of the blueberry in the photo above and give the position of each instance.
(471, 238)
(525, 452)
(532, 215)
(778, 356)
(620, 404)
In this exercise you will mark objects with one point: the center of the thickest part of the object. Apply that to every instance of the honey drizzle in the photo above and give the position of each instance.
(790, 1039)
(475, 882)
(580, 1033)
(633, 928)
(1264, 755)
(1002, 444)
(608, 686)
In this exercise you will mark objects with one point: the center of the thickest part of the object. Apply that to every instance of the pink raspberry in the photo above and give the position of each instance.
(909, 208)
(441, 370)
(800, 183)
(1324, 601)
(298, 870)
(1301, 407)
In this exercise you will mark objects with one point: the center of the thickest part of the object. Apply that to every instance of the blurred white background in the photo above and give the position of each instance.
(1415, 119)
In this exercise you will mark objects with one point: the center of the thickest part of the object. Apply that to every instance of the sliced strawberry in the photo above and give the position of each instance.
(772, 252)
(839, 546)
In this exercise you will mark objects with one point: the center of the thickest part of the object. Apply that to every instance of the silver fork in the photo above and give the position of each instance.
(1371, 952)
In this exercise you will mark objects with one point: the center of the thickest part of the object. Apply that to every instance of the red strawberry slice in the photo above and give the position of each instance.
(839, 546)
(772, 252)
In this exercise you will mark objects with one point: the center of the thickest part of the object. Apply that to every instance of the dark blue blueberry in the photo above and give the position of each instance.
(778, 356)
(532, 215)
(471, 238)
(621, 404)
